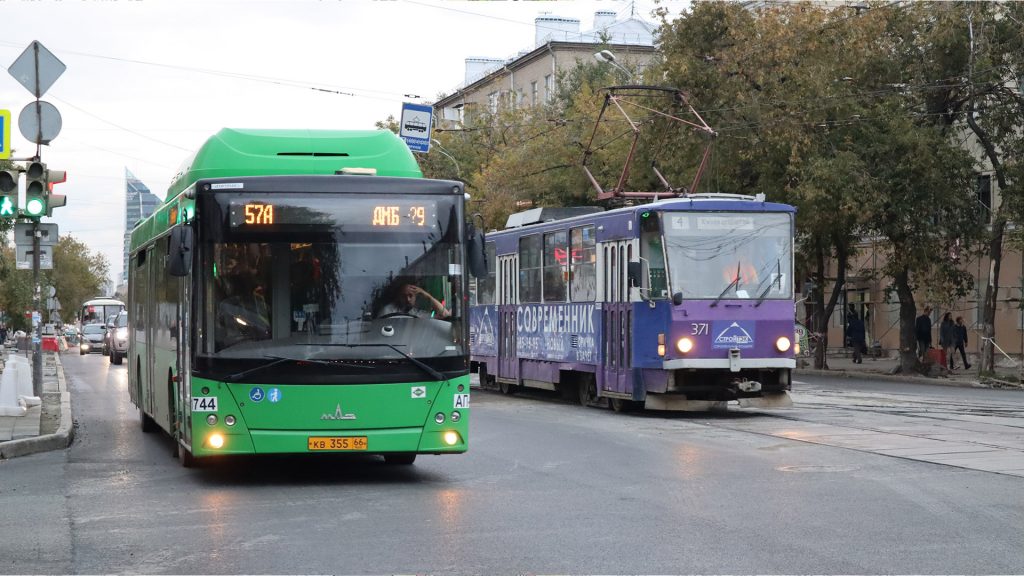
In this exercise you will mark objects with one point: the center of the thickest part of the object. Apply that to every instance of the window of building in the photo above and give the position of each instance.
(549, 88)
(530, 249)
(492, 102)
(985, 196)
(533, 93)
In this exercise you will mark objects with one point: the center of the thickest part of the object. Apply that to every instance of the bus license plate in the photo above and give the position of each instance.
(337, 443)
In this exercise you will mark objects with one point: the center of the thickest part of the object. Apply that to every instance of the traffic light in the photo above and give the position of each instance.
(35, 189)
(9, 193)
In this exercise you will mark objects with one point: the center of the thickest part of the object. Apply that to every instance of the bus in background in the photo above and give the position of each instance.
(98, 309)
(303, 292)
(680, 304)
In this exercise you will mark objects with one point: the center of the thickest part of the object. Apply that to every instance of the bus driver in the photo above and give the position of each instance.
(404, 302)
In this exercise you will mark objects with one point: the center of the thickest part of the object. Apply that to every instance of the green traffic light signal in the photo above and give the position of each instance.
(8, 208)
(35, 207)
(35, 189)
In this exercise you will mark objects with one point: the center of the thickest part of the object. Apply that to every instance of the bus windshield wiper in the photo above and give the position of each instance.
(275, 360)
(778, 276)
(418, 363)
(735, 282)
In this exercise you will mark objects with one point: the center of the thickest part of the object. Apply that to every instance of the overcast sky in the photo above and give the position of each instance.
(147, 81)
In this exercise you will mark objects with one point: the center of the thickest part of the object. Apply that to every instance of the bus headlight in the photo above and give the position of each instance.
(215, 441)
(211, 419)
(783, 344)
(684, 345)
(229, 420)
(439, 417)
(451, 438)
(456, 416)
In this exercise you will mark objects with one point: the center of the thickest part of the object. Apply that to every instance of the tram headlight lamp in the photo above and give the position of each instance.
(451, 438)
(783, 344)
(684, 345)
(215, 441)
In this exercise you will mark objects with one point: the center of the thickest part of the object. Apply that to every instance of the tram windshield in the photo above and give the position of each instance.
(725, 256)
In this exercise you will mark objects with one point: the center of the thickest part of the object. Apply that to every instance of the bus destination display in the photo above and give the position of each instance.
(253, 214)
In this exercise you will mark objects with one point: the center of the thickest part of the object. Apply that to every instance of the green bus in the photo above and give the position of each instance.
(303, 291)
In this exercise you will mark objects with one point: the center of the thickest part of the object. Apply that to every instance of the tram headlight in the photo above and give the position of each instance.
(684, 345)
(783, 344)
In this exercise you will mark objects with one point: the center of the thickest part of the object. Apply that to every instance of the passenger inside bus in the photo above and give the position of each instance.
(405, 295)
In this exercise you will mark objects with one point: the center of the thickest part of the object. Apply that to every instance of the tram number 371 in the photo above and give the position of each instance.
(699, 329)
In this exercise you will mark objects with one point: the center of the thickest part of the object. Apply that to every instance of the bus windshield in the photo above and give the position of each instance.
(333, 290)
(722, 255)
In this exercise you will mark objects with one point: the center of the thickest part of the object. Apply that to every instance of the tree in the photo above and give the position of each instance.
(77, 275)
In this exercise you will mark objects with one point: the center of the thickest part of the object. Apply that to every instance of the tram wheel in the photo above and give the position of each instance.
(506, 387)
(621, 406)
(587, 391)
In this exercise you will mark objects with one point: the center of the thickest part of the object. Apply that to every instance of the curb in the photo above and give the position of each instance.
(843, 373)
(59, 440)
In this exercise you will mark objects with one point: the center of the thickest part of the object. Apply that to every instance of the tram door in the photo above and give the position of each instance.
(616, 319)
(507, 292)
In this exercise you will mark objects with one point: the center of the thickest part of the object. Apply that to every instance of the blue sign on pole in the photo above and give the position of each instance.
(5, 134)
(415, 126)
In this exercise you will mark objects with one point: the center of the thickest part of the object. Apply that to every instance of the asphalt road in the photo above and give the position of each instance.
(547, 487)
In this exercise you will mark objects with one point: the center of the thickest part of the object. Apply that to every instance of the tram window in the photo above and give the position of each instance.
(651, 251)
(530, 268)
(556, 266)
(582, 267)
(486, 285)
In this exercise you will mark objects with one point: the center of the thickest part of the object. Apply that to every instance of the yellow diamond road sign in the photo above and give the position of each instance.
(5, 134)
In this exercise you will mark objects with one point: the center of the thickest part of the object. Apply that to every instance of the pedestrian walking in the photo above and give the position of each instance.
(947, 336)
(855, 332)
(923, 333)
(960, 342)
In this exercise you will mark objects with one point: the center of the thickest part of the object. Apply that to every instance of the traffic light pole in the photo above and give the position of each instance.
(37, 338)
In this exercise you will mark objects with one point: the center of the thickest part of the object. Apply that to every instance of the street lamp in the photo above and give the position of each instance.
(608, 57)
(441, 149)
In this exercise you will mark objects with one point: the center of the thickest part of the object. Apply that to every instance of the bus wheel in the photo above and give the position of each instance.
(587, 391)
(506, 387)
(148, 425)
(185, 457)
(399, 459)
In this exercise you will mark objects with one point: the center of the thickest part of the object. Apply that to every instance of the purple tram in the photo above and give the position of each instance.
(680, 304)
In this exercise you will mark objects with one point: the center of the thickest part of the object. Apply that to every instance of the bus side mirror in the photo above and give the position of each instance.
(179, 251)
(476, 257)
(634, 272)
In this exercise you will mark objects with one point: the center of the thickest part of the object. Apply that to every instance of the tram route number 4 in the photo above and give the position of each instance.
(204, 403)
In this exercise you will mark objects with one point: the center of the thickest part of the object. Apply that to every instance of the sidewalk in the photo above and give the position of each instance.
(43, 427)
(841, 364)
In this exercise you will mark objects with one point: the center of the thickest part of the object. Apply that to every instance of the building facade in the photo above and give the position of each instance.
(529, 78)
(139, 203)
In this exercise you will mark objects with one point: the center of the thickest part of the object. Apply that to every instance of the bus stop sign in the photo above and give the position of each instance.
(415, 126)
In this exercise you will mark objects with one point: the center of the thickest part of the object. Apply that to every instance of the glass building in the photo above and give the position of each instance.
(139, 203)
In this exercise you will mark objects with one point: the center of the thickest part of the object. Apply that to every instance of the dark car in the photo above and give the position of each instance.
(92, 338)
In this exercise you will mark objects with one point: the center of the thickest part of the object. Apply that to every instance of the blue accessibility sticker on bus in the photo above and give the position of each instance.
(256, 394)
(274, 395)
